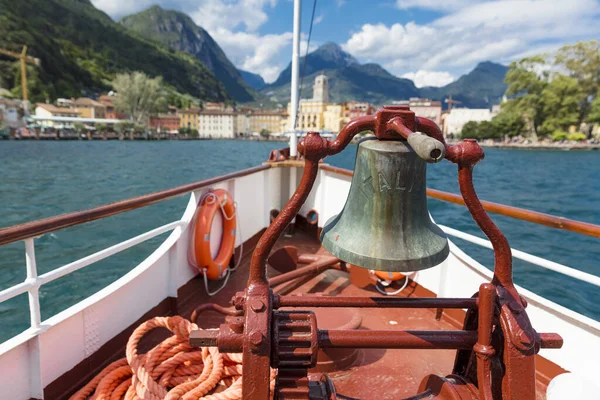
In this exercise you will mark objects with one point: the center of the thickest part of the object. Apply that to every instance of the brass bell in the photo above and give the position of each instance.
(385, 224)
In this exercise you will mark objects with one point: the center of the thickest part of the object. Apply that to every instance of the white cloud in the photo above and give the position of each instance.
(429, 78)
(318, 19)
(500, 30)
(438, 5)
(217, 14)
(120, 8)
(253, 52)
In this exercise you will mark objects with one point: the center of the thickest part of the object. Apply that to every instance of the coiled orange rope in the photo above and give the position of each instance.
(171, 370)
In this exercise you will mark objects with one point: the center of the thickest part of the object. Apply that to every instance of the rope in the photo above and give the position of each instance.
(385, 283)
(211, 198)
(171, 370)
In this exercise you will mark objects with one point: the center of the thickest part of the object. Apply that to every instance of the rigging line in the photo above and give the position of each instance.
(312, 18)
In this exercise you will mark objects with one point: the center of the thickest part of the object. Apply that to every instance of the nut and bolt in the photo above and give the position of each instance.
(256, 340)
(257, 305)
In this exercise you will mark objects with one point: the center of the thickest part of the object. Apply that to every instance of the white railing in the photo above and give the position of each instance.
(521, 255)
(33, 282)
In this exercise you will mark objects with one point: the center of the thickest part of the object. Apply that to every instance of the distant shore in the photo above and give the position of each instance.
(565, 146)
(139, 138)
(544, 146)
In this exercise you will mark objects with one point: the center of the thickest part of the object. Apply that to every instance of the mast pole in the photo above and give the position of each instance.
(295, 78)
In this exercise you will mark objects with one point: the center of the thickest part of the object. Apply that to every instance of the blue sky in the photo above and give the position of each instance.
(430, 41)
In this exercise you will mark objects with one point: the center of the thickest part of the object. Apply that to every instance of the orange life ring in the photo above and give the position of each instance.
(389, 276)
(222, 201)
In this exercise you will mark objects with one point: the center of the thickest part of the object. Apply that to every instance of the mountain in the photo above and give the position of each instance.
(348, 79)
(255, 81)
(81, 49)
(178, 31)
(328, 56)
(480, 88)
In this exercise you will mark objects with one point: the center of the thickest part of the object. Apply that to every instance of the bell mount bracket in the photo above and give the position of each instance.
(499, 312)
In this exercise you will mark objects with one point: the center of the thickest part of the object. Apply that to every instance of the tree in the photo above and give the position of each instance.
(582, 62)
(470, 130)
(526, 80)
(594, 116)
(138, 95)
(264, 132)
(101, 127)
(508, 124)
(560, 101)
(124, 127)
(78, 127)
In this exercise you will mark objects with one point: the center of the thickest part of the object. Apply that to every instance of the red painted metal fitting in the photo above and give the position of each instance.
(296, 343)
(466, 154)
(387, 113)
(313, 147)
(238, 300)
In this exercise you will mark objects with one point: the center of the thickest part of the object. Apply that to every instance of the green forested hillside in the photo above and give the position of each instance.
(178, 31)
(81, 49)
(481, 88)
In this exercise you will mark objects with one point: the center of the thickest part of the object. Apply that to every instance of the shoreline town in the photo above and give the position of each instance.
(98, 119)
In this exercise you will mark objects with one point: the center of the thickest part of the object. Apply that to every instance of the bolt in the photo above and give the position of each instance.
(257, 305)
(256, 340)
(238, 300)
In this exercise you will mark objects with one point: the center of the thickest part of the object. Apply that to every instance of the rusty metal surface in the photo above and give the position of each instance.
(292, 338)
(483, 348)
(317, 267)
(397, 339)
(373, 302)
(394, 373)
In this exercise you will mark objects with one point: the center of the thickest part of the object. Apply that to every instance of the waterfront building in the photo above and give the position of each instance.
(11, 113)
(242, 124)
(333, 118)
(273, 121)
(321, 89)
(111, 113)
(43, 110)
(189, 118)
(458, 117)
(424, 108)
(165, 123)
(355, 109)
(208, 106)
(89, 108)
(217, 124)
(311, 111)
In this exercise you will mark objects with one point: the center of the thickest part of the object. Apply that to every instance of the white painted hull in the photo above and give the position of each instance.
(35, 358)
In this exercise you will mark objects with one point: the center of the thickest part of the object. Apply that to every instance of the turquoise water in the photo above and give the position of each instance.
(42, 179)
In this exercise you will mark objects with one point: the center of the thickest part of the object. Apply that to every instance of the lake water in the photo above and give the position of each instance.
(43, 179)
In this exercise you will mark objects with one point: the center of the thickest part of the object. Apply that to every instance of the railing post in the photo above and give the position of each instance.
(33, 293)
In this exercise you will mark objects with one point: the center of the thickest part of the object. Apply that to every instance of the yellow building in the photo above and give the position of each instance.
(272, 120)
(88, 108)
(317, 113)
(333, 118)
(189, 118)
